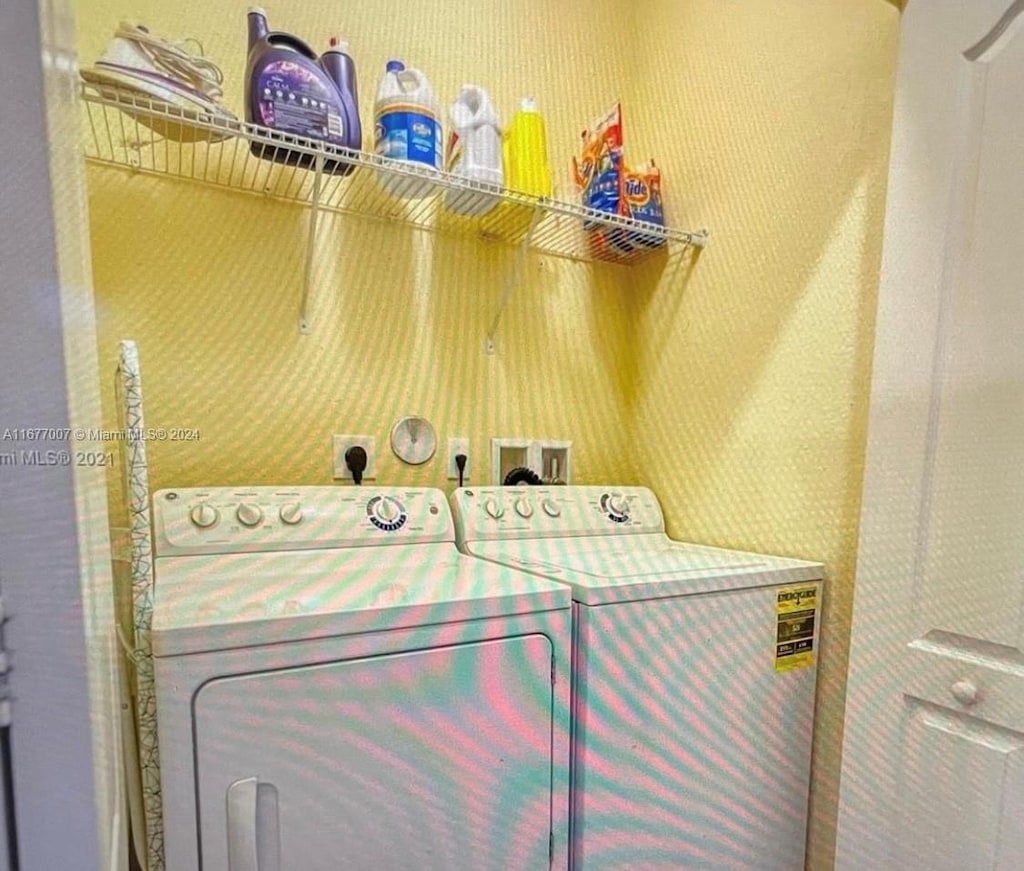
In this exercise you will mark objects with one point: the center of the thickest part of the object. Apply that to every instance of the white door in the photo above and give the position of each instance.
(435, 760)
(54, 549)
(933, 764)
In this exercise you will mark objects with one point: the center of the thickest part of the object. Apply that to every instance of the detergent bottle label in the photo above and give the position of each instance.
(293, 100)
(409, 133)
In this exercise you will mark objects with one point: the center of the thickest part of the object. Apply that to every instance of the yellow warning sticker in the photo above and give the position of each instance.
(796, 611)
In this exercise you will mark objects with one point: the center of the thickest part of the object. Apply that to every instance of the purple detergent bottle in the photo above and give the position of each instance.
(338, 64)
(292, 91)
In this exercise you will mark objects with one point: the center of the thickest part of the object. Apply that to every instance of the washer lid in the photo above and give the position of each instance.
(605, 570)
(226, 601)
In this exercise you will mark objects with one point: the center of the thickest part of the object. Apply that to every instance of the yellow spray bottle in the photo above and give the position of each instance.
(525, 162)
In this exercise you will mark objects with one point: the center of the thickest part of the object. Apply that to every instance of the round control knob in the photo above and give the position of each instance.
(385, 513)
(386, 510)
(494, 508)
(523, 507)
(204, 515)
(618, 505)
(291, 513)
(249, 514)
(551, 508)
(965, 692)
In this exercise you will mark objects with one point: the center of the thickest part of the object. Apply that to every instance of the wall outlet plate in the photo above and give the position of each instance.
(458, 445)
(342, 443)
(554, 461)
(506, 455)
(549, 458)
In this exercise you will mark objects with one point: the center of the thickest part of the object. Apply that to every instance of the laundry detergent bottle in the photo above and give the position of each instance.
(525, 149)
(526, 170)
(407, 128)
(474, 150)
(291, 90)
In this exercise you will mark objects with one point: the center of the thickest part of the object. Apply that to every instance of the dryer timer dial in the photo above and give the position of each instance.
(204, 515)
(386, 513)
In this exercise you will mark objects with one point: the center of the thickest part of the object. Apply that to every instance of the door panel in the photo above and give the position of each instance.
(434, 759)
(971, 578)
(950, 755)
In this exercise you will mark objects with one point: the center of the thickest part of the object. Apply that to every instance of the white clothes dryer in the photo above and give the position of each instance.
(693, 679)
(339, 687)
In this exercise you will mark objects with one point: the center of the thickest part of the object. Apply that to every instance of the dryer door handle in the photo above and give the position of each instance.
(242, 808)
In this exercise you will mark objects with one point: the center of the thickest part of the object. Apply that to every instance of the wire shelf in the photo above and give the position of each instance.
(125, 130)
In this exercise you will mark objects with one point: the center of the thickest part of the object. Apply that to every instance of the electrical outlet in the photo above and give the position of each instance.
(458, 445)
(342, 443)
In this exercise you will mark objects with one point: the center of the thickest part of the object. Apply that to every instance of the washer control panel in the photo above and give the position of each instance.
(525, 512)
(226, 520)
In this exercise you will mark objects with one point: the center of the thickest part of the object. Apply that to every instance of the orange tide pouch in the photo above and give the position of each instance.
(641, 198)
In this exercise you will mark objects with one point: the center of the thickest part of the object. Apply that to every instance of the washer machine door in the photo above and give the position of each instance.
(430, 759)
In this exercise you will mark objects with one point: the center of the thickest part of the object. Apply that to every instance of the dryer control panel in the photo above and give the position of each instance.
(200, 520)
(483, 513)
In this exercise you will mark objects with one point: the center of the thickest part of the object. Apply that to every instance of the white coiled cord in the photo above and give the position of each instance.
(176, 60)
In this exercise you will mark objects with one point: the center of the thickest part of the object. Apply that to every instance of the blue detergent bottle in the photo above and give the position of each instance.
(291, 90)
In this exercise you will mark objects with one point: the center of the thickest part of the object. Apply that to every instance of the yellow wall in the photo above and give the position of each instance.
(209, 284)
(735, 386)
(771, 120)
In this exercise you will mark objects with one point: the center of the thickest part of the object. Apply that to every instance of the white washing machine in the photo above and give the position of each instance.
(339, 687)
(693, 679)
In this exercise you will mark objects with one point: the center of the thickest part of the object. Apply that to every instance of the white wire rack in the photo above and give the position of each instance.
(123, 129)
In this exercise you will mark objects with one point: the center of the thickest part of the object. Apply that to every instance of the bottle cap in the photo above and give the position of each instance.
(339, 45)
(395, 66)
(259, 10)
(528, 104)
